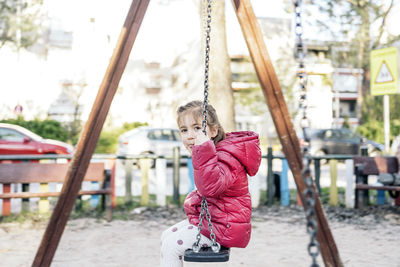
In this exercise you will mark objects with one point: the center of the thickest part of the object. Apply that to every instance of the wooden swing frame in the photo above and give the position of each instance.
(90, 135)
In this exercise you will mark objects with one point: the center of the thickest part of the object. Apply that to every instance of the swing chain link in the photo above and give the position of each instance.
(196, 245)
(215, 245)
(206, 69)
(204, 212)
(300, 53)
(309, 196)
(309, 193)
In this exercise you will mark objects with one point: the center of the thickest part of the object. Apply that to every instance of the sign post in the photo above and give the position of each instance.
(385, 81)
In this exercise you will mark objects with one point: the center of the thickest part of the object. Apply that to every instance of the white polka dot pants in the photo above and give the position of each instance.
(175, 240)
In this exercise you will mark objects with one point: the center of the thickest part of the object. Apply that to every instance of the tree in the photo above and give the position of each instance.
(357, 26)
(372, 111)
(346, 123)
(75, 92)
(220, 83)
(20, 22)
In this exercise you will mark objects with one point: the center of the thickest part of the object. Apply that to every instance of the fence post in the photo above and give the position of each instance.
(128, 180)
(112, 163)
(161, 174)
(333, 191)
(190, 174)
(317, 172)
(145, 165)
(349, 197)
(44, 204)
(270, 178)
(176, 165)
(380, 197)
(365, 193)
(94, 199)
(25, 188)
(25, 201)
(6, 201)
(285, 193)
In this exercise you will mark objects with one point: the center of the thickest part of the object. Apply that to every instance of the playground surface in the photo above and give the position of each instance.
(364, 238)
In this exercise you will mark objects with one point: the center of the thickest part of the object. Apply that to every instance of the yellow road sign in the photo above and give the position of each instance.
(384, 71)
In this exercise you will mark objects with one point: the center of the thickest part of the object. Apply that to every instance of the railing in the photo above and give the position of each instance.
(316, 162)
(159, 163)
(43, 206)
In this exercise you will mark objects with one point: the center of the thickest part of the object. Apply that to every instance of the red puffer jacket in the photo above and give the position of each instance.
(220, 174)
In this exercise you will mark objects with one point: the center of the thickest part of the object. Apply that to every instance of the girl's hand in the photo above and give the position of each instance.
(200, 138)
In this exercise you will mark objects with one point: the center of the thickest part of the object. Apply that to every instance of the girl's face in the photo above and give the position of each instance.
(192, 131)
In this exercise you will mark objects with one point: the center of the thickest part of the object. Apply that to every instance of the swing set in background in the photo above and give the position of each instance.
(277, 106)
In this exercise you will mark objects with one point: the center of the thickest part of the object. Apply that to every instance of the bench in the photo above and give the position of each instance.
(365, 166)
(44, 173)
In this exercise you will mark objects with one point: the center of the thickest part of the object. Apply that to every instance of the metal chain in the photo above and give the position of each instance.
(206, 69)
(312, 227)
(308, 193)
(204, 212)
(196, 245)
(300, 53)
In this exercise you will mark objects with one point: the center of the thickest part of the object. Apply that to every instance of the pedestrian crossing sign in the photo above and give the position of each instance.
(384, 71)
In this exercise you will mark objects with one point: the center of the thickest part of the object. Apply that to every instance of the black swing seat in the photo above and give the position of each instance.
(207, 255)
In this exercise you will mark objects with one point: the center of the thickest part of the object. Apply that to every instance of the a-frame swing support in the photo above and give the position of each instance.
(283, 124)
(90, 135)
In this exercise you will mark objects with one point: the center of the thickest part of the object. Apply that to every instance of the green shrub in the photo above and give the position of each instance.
(49, 129)
(372, 130)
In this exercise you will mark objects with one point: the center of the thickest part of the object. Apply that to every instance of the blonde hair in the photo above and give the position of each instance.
(195, 108)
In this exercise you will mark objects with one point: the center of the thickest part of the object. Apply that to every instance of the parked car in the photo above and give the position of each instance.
(15, 140)
(147, 140)
(339, 141)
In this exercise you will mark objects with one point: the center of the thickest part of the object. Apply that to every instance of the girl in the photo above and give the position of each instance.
(221, 164)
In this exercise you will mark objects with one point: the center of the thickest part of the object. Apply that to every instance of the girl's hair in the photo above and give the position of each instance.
(195, 108)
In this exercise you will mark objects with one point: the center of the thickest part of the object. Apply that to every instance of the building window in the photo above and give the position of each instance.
(348, 108)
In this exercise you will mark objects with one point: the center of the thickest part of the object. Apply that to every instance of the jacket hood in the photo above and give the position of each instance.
(245, 147)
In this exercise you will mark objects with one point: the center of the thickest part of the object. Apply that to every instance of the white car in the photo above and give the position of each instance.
(146, 140)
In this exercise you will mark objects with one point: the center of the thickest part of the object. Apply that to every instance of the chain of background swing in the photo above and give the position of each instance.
(308, 193)
(204, 213)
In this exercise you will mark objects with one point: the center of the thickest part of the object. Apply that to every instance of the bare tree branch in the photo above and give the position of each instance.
(381, 28)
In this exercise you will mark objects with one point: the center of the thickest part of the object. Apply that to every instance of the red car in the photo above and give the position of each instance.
(16, 140)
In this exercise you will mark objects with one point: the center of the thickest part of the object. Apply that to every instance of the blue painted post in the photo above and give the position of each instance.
(380, 197)
(94, 199)
(285, 193)
(191, 177)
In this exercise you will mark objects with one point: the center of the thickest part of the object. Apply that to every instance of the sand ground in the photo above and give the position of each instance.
(278, 239)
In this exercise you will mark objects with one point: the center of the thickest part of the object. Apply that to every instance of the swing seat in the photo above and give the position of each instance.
(207, 255)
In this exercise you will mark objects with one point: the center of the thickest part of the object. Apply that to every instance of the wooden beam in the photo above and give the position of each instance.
(53, 194)
(377, 165)
(34, 172)
(90, 135)
(283, 124)
(360, 186)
